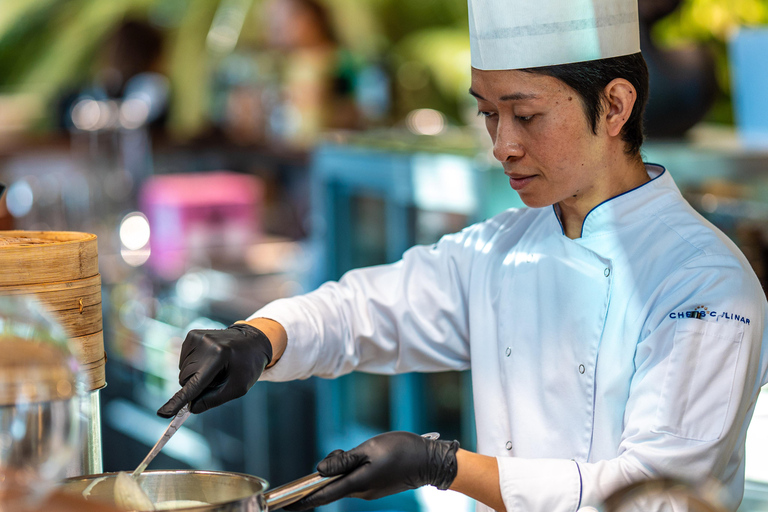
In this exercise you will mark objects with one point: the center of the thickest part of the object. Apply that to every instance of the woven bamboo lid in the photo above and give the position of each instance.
(47, 256)
(33, 372)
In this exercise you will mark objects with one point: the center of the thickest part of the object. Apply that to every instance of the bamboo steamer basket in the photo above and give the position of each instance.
(61, 269)
(41, 257)
(75, 304)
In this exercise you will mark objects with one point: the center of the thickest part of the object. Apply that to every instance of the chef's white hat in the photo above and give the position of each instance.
(515, 34)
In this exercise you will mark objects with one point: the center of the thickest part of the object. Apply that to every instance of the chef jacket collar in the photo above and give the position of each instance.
(629, 207)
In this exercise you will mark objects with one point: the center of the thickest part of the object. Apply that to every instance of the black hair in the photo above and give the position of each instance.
(589, 79)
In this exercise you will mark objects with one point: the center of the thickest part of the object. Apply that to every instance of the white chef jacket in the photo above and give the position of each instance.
(634, 351)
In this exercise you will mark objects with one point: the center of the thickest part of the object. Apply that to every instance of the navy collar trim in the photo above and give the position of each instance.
(581, 234)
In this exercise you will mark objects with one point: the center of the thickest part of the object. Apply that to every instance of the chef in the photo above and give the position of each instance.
(612, 333)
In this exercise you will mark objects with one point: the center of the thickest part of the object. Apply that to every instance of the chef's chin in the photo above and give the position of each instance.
(534, 200)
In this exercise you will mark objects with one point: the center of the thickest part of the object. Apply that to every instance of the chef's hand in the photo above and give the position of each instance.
(218, 366)
(386, 464)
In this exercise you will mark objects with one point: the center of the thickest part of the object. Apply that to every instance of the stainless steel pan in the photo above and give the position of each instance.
(223, 491)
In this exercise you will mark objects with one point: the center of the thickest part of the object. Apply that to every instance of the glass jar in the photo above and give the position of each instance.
(42, 399)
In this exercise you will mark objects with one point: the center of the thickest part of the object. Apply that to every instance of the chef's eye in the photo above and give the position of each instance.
(525, 119)
(485, 114)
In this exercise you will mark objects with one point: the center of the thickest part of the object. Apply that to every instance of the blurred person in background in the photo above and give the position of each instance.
(316, 82)
(134, 48)
(130, 61)
(613, 334)
(683, 80)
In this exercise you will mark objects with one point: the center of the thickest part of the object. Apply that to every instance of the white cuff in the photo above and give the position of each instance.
(298, 360)
(539, 485)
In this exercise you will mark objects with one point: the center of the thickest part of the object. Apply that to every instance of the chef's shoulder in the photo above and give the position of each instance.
(691, 241)
(702, 274)
(501, 230)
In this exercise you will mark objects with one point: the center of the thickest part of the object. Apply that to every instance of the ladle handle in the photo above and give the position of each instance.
(180, 417)
(296, 490)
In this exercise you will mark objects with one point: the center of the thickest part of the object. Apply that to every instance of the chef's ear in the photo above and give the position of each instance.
(620, 96)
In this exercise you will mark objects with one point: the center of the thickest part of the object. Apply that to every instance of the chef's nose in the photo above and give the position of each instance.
(506, 145)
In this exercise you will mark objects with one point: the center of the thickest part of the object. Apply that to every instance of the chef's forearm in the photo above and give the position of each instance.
(274, 332)
(478, 478)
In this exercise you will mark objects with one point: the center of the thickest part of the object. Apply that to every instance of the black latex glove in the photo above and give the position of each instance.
(217, 366)
(383, 465)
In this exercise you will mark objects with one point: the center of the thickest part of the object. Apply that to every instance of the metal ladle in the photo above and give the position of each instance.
(128, 493)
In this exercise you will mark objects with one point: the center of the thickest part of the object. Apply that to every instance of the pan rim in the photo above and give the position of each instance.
(263, 482)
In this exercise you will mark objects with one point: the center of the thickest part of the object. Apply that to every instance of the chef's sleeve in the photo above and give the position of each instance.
(699, 367)
(402, 317)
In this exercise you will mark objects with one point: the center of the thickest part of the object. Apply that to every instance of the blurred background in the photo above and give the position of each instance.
(231, 152)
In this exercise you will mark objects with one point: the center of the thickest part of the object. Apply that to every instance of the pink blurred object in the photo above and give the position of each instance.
(196, 217)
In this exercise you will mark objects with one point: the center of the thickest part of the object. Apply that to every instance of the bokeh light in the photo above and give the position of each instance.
(19, 198)
(134, 231)
(425, 121)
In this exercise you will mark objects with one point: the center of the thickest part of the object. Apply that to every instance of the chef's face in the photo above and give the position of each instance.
(541, 136)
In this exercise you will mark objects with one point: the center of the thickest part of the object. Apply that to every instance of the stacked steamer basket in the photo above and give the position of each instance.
(61, 270)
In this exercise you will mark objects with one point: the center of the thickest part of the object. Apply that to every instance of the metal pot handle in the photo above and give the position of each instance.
(304, 486)
(296, 490)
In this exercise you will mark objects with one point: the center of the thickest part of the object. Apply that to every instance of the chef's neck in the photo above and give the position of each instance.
(618, 179)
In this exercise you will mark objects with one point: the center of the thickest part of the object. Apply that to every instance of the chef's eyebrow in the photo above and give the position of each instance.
(508, 97)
